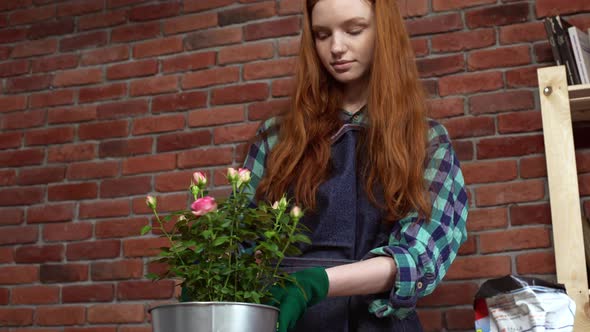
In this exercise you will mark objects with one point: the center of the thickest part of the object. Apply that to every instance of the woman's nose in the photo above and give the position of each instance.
(338, 46)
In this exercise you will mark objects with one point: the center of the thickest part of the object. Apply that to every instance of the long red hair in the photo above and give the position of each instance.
(396, 137)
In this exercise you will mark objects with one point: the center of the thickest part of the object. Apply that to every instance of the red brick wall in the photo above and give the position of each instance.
(104, 101)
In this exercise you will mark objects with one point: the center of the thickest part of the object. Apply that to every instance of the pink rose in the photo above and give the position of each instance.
(150, 201)
(203, 205)
(232, 175)
(200, 179)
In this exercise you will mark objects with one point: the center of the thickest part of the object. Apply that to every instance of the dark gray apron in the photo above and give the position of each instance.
(344, 229)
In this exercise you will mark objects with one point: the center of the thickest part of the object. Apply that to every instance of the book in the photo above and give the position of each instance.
(565, 50)
(552, 37)
(581, 48)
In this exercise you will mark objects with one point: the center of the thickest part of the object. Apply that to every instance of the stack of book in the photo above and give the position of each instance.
(570, 47)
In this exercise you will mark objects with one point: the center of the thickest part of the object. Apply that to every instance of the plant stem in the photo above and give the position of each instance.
(166, 233)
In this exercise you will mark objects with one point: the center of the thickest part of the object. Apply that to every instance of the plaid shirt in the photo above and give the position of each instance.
(423, 251)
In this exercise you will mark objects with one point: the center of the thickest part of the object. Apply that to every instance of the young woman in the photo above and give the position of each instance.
(382, 188)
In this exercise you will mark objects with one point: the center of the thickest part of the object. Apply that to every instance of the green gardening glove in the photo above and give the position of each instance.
(311, 287)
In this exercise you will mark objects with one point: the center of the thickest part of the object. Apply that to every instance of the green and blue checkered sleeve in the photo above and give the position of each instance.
(423, 250)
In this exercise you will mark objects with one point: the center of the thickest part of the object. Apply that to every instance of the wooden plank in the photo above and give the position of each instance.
(564, 195)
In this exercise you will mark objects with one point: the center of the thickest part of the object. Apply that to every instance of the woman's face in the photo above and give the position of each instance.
(344, 34)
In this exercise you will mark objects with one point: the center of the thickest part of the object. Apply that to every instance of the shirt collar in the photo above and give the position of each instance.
(357, 118)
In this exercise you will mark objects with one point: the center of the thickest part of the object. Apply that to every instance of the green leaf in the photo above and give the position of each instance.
(146, 229)
(220, 240)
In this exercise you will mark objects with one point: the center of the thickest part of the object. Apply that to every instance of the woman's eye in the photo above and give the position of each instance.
(355, 32)
(321, 35)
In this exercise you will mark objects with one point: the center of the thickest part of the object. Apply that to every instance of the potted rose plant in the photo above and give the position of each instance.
(226, 257)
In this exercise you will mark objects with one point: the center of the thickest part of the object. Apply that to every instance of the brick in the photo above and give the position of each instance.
(247, 13)
(240, 94)
(485, 219)
(31, 176)
(420, 46)
(91, 329)
(116, 313)
(413, 8)
(198, 5)
(14, 68)
(121, 3)
(460, 319)
(232, 134)
(497, 15)
(158, 124)
(444, 5)
(514, 239)
(489, 171)
(179, 101)
(536, 263)
(4, 295)
(520, 122)
(125, 186)
(290, 7)
(104, 92)
(135, 32)
(430, 87)
(35, 295)
(56, 28)
(172, 181)
(209, 77)
(71, 152)
(60, 273)
(470, 126)
(516, 192)
(14, 4)
(71, 114)
(67, 231)
(125, 147)
(92, 170)
(7, 177)
(167, 203)
(522, 77)
(10, 140)
(434, 24)
(88, 293)
(551, 7)
(19, 274)
(153, 85)
(80, 8)
(448, 107)
(245, 53)
(157, 47)
(186, 23)
(77, 77)
(479, 267)
(509, 146)
(431, 320)
(11, 216)
(440, 65)
(104, 208)
(283, 87)
(216, 116)
(54, 98)
(21, 157)
(143, 247)
(97, 249)
(149, 164)
(268, 69)
(102, 20)
(270, 29)
(145, 290)
(205, 157)
(136, 329)
(125, 269)
(583, 161)
(543, 53)
(59, 316)
(103, 130)
(499, 57)
(212, 37)
(16, 316)
(21, 196)
(504, 101)
(120, 227)
(105, 55)
(12, 35)
(12, 103)
(183, 140)
(523, 33)
(39, 254)
(288, 46)
(50, 213)
(122, 109)
(153, 12)
(469, 247)
(19, 235)
(31, 15)
(25, 119)
(75, 191)
(266, 109)
(82, 41)
(447, 294)
(188, 62)
(49, 136)
(470, 83)
(533, 167)
(28, 83)
(584, 184)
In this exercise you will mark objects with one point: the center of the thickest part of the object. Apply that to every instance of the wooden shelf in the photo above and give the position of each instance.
(579, 96)
(560, 106)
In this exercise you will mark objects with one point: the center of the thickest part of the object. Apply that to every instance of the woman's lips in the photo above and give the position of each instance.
(342, 66)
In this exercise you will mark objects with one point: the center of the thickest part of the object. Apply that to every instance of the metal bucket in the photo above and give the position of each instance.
(214, 317)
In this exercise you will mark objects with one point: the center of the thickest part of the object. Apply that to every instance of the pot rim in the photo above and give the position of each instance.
(215, 303)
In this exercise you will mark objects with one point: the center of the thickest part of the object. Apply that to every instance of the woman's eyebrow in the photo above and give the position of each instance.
(351, 21)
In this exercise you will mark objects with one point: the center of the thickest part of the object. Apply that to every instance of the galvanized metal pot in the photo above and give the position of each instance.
(214, 317)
